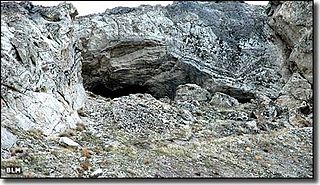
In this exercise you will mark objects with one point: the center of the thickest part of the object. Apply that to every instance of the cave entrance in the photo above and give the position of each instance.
(104, 91)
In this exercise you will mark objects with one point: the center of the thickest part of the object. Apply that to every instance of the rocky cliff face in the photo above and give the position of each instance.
(223, 47)
(293, 25)
(41, 83)
(193, 89)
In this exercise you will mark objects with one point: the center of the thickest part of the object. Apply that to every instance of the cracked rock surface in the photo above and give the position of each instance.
(41, 83)
(193, 89)
(225, 47)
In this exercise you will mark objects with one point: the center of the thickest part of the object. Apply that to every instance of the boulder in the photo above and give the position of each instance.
(189, 92)
(223, 100)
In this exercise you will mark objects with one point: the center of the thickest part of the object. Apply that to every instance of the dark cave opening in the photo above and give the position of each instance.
(159, 78)
(102, 90)
(244, 99)
(240, 95)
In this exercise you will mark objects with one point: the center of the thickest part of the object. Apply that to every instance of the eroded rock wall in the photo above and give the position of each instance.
(41, 83)
(194, 89)
(292, 22)
(220, 46)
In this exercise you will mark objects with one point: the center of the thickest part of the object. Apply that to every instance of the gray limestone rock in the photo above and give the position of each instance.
(7, 141)
(191, 92)
(223, 47)
(64, 141)
(293, 23)
(193, 89)
(298, 88)
(41, 83)
(223, 100)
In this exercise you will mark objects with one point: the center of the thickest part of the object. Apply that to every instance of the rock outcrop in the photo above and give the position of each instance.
(224, 47)
(41, 83)
(292, 22)
(193, 89)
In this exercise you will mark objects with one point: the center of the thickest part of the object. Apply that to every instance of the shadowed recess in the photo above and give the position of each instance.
(102, 90)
